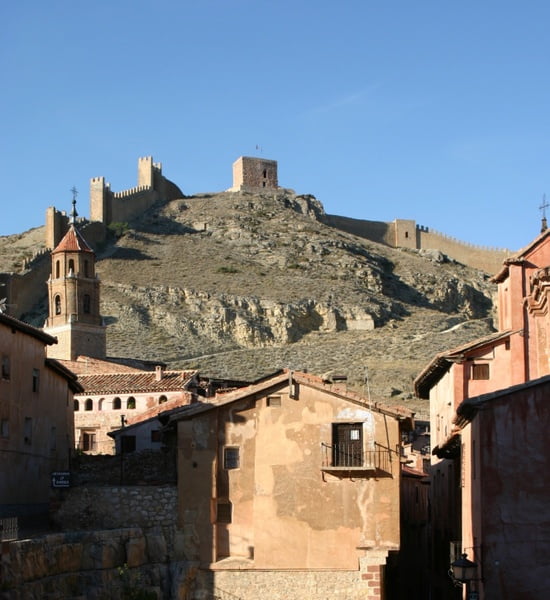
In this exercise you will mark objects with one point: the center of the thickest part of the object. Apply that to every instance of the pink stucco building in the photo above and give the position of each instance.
(488, 426)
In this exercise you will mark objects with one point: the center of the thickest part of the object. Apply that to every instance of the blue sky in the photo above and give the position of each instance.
(430, 110)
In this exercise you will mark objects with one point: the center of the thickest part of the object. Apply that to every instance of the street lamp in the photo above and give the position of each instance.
(464, 570)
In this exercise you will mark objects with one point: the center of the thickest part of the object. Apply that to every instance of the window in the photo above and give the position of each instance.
(274, 401)
(71, 266)
(86, 269)
(162, 399)
(480, 371)
(89, 404)
(57, 302)
(155, 436)
(57, 270)
(128, 443)
(27, 431)
(117, 403)
(6, 371)
(231, 459)
(131, 403)
(347, 444)
(86, 303)
(35, 380)
(76, 406)
(4, 428)
(88, 441)
(223, 510)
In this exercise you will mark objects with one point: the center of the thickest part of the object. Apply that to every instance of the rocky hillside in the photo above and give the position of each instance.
(241, 284)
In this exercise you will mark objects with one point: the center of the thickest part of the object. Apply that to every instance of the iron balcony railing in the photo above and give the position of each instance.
(9, 528)
(347, 455)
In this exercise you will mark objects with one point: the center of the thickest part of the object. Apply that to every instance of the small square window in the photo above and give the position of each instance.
(231, 459)
(155, 435)
(274, 401)
(480, 371)
(4, 428)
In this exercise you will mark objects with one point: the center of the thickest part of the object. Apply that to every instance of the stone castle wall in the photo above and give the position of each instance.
(405, 233)
(481, 257)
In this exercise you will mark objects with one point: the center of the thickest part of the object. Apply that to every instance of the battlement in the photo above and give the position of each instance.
(444, 236)
(130, 192)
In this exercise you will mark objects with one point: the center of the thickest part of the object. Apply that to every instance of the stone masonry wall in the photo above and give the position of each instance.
(114, 539)
(282, 585)
(105, 507)
(486, 259)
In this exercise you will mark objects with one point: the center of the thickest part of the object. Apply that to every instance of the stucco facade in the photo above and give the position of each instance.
(113, 400)
(274, 487)
(36, 418)
(498, 365)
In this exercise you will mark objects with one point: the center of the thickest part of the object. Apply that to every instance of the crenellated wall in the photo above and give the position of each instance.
(405, 233)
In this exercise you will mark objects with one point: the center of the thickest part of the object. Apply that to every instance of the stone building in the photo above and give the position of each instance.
(36, 419)
(254, 173)
(290, 488)
(457, 383)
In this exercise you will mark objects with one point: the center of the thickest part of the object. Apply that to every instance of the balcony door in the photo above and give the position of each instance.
(347, 444)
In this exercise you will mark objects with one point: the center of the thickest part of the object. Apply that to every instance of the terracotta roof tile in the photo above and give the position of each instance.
(72, 242)
(134, 383)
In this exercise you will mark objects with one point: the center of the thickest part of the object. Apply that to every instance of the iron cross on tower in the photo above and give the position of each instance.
(74, 214)
(543, 208)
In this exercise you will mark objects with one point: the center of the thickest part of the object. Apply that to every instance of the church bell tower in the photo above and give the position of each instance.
(73, 294)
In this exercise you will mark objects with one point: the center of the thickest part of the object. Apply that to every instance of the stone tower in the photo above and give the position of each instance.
(73, 294)
(249, 172)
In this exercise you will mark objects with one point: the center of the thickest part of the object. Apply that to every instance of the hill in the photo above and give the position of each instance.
(241, 284)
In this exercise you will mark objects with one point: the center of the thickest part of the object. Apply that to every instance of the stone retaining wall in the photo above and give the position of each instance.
(93, 565)
(105, 507)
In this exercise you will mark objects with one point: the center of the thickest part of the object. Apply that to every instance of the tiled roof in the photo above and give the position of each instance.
(134, 383)
(17, 325)
(72, 242)
(87, 365)
(280, 379)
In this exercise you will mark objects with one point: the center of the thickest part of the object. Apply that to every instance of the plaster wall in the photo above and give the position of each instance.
(286, 512)
(102, 417)
(442, 409)
(510, 493)
(36, 427)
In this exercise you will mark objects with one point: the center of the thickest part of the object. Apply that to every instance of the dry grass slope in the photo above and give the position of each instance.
(241, 284)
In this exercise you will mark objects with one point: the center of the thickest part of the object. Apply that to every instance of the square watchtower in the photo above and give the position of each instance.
(249, 172)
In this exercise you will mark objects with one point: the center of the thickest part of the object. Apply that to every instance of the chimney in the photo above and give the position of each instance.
(158, 373)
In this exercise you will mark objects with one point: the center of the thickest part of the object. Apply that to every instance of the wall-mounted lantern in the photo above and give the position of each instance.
(463, 569)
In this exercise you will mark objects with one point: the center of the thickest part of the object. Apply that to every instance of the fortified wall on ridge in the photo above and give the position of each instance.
(406, 233)
(251, 175)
